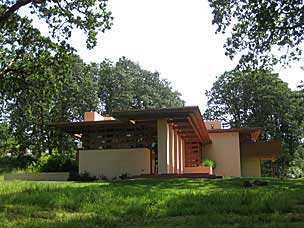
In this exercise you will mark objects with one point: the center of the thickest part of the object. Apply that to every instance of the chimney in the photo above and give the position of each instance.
(94, 116)
(215, 124)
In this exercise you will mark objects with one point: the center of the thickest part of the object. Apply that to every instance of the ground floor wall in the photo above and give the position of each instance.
(225, 151)
(115, 162)
(251, 167)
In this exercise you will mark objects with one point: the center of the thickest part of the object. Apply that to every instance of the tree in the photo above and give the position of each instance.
(38, 81)
(125, 85)
(256, 99)
(298, 101)
(8, 143)
(32, 70)
(257, 28)
(21, 46)
(46, 99)
(62, 16)
(296, 168)
(77, 96)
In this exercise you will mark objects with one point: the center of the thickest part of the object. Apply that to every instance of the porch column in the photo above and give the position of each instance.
(163, 146)
(175, 163)
(171, 148)
(179, 154)
(182, 157)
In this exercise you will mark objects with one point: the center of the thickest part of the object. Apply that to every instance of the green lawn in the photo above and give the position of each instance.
(152, 203)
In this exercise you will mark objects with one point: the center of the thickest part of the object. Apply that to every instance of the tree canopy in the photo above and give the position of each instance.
(264, 31)
(61, 16)
(39, 77)
(124, 85)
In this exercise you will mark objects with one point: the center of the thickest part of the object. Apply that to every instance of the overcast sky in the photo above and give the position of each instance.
(173, 37)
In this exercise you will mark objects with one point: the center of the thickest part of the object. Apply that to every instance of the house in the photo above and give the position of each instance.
(166, 141)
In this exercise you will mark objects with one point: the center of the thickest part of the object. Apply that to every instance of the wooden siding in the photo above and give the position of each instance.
(120, 138)
(193, 154)
(264, 150)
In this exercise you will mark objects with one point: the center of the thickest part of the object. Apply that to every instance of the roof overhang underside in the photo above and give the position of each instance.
(264, 150)
(187, 121)
(89, 126)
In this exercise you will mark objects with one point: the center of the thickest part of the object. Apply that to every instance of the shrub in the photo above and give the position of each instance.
(55, 162)
(9, 164)
(208, 163)
(124, 176)
(84, 176)
(296, 166)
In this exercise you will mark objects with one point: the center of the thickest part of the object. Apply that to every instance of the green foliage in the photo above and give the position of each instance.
(209, 163)
(296, 168)
(38, 84)
(298, 104)
(26, 55)
(32, 71)
(266, 169)
(8, 143)
(15, 163)
(84, 176)
(62, 16)
(64, 162)
(124, 85)
(152, 203)
(257, 28)
(124, 176)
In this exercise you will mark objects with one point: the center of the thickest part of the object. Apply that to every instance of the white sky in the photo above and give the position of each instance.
(173, 37)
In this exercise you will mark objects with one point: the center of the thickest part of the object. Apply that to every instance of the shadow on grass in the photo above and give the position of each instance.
(151, 203)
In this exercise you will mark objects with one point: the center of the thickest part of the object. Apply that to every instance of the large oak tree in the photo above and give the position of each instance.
(62, 16)
(262, 31)
(125, 85)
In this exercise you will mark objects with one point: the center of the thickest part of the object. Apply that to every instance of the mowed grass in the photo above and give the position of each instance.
(152, 203)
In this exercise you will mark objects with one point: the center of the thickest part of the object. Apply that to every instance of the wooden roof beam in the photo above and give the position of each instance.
(202, 128)
(187, 138)
(186, 130)
(178, 121)
(188, 127)
(194, 128)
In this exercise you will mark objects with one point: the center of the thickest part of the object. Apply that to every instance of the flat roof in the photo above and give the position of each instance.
(156, 113)
(254, 132)
(80, 127)
(241, 130)
(186, 120)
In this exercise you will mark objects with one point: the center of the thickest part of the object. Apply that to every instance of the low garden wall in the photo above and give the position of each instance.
(53, 176)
